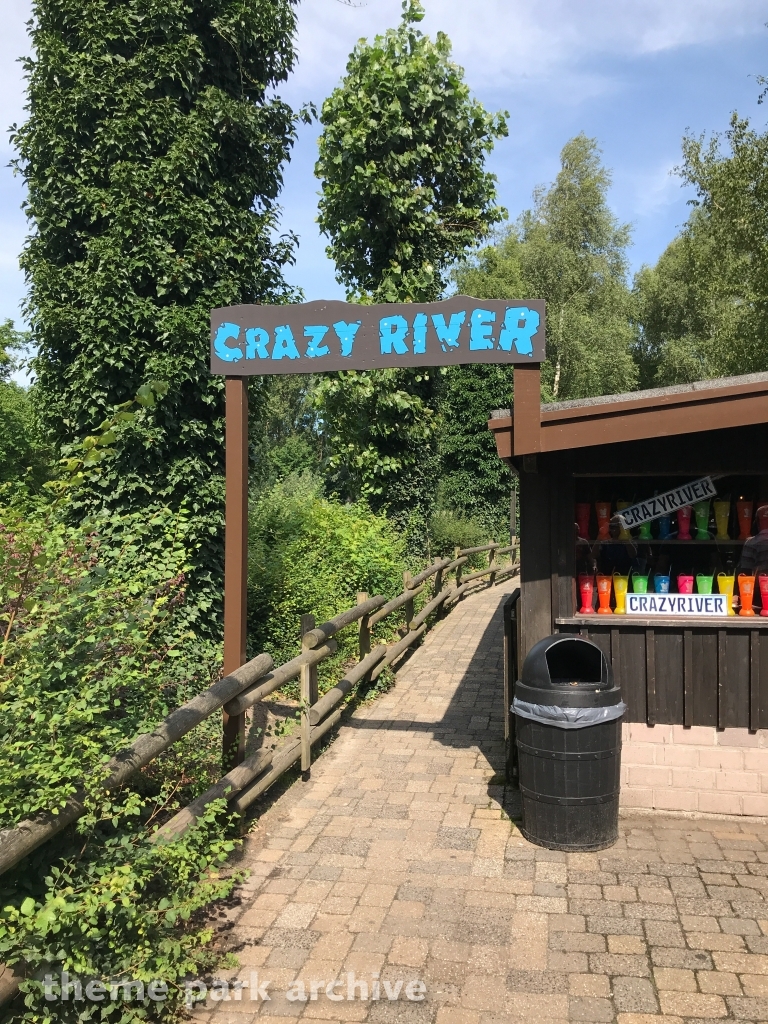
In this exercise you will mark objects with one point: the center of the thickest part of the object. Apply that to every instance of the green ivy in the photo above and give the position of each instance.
(152, 159)
(95, 648)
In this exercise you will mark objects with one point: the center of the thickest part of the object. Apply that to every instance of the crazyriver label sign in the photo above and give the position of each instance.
(670, 501)
(329, 335)
(696, 606)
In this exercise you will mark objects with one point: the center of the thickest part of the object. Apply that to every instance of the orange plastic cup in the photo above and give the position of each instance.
(604, 595)
(603, 519)
(746, 593)
(744, 515)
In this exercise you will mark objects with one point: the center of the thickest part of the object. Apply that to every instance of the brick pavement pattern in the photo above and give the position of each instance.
(396, 863)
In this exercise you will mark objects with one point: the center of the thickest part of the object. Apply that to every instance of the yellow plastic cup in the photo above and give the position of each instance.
(725, 586)
(722, 515)
(624, 534)
(620, 587)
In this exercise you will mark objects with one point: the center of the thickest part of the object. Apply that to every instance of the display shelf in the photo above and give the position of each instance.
(670, 540)
(740, 622)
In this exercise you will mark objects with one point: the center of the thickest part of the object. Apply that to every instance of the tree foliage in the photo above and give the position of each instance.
(152, 157)
(703, 309)
(404, 193)
(570, 250)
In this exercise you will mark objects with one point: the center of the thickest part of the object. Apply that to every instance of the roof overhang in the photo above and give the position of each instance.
(662, 412)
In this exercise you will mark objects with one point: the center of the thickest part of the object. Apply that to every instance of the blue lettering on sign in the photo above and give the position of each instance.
(420, 334)
(448, 336)
(480, 329)
(392, 332)
(346, 334)
(512, 333)
(285, 344)
(227, 332)
(316, 333)
(256, 339)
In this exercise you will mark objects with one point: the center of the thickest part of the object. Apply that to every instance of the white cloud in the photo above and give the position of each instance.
(519, 43)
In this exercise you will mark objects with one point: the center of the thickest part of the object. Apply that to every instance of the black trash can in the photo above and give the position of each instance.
(568, 733)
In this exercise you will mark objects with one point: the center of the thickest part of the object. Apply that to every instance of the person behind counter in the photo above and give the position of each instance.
(754, 554)
(615, 555)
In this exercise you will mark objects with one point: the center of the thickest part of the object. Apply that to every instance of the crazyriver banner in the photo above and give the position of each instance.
(310, 337)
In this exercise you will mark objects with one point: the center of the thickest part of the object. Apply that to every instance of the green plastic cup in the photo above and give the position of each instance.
(639, 584)
(704, 584)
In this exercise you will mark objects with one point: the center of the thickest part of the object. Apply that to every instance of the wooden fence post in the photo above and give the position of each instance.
(438, 588)
(308, 698)
(492, 561)
(456, 553)
(364, 629)
(408, 604)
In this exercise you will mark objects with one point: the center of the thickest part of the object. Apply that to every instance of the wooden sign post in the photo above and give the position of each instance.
(329, 335)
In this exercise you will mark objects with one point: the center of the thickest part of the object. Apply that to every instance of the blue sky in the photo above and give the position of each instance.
(636, 74)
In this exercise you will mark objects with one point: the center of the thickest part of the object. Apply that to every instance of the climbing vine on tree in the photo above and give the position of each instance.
(152, 157)
(404, 193)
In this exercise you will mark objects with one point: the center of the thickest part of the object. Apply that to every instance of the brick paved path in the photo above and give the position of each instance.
(396, 863)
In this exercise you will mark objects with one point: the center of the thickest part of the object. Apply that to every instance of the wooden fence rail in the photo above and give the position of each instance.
(257, 679)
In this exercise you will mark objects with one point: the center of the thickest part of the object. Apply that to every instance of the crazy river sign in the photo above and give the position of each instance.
(331, 335)
(670, 501)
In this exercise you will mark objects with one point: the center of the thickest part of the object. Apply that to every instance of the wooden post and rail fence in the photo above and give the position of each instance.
(250, 683)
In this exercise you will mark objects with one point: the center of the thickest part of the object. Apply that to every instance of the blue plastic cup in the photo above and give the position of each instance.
(661, 584)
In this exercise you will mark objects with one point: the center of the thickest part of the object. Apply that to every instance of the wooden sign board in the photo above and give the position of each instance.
(663, 504)
(329, 335)
(696, 606)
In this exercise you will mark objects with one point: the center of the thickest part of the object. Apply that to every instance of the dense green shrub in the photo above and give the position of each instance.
(309, 553)
(96, 649)
(448, 531)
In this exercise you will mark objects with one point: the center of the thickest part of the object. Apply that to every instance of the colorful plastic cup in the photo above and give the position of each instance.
(604, 584)
(704, 584)
(722, 515)
(620, 587)
(684, 584)
(725, 586)
(583, 513)
(661, 584)
(744, 514)
(639, 584)
(586, 589)
(624, 533)
(665, 527)
(684, 523)
(746, 593)
(603, 519)
(701, 511)
(645, 532)
(762, 580)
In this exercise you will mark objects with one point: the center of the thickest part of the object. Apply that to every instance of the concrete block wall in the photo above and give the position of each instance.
(698, 769)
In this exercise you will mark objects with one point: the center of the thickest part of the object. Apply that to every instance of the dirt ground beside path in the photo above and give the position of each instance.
(395, 871)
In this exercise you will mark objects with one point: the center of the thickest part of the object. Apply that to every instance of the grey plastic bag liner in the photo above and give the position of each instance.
(567, 718)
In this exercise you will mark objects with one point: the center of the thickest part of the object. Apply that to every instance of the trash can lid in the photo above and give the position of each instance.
(567, 671)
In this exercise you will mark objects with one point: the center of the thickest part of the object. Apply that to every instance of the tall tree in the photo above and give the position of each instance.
(703, 309)
(152, 157)
(570, 250)
(404, 193)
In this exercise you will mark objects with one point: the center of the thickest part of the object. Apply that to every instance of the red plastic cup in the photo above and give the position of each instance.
(583, 512)
(586, 590)
(684, 523)
(685, 584)
(763, 581)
